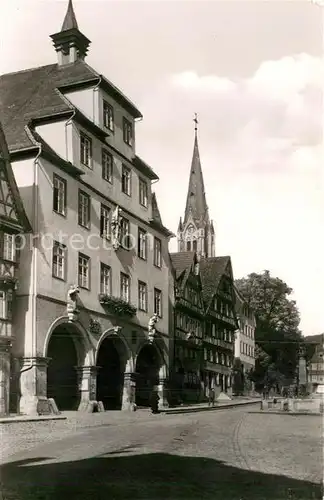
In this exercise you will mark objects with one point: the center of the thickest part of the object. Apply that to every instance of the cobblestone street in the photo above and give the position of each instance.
(228, 454)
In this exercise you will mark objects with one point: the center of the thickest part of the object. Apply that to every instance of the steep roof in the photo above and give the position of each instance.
(156, 221)
(12, 212)
(211, 272)
(156, 216)
(182, 263)
(196, 204)
(33, 93)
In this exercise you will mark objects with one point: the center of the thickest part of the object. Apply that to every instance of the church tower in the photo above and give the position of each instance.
(196, 231)
(70, 44)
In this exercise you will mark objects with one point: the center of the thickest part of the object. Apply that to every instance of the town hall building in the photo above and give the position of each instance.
(92, 311)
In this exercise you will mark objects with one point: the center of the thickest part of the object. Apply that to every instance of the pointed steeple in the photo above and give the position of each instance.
(70, 21)
(196, 233)
(196, 199)
(70, 44)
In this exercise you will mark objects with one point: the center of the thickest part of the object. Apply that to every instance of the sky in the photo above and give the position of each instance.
(253, 72)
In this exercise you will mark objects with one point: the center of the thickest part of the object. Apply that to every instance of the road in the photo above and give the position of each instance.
(230, 454)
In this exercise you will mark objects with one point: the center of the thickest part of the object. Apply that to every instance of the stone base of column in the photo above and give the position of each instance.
(128, 398)
(163, 394)
(33, 387)
(88, 388)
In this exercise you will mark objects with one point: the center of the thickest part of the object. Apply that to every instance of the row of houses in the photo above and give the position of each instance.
(93, 307)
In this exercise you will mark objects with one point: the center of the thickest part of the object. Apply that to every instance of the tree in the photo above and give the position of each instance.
(277, 334)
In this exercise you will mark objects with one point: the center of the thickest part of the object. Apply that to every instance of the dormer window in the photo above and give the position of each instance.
(85, 150)
(127, 132)
(108, 116)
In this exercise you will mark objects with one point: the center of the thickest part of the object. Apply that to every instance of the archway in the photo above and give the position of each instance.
(147, 374)
(110, 378)
(62, 375)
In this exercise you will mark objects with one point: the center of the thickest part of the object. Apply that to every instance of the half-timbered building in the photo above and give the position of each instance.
(188, 328)
(13, 222)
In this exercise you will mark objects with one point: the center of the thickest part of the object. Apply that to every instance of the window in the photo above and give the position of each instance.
(84, 209)
(108, 116)
(125, 287)
(84, 271)
(188, 246)
(142, 296)
(105, 279)
(194, 245)
(143, 193)
(125, 239)
(107, 161)
(127, 132)
(157, 252)
(59, 195)
(142, 244)
(8, 250)
(126, 180)
(158, 302)
(6, 304)
(59, 261)
(105, 222)
(85, 150)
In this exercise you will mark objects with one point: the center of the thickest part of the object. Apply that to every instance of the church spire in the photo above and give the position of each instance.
(70, 44)
(196, 232)
(196, 199)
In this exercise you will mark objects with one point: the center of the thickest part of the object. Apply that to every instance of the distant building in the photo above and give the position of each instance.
(13, 222)
(196, 233)
(244, 341)
(315, 370)
(93, 304)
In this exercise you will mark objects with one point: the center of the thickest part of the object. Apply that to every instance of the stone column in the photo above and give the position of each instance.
(87, 376)
(5, 345)
(163, 394)
(128, 398)
(33, 386)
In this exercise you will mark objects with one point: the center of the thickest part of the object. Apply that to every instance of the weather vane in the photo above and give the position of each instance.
(196, 122)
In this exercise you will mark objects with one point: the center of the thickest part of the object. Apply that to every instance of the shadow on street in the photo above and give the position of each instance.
(152, 476)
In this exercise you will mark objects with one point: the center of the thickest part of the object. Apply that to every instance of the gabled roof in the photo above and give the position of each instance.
(156, 221)
(156, 216)
(12, 212)
(33, 93)
(181, 261)
(196, 199)
(211, 271)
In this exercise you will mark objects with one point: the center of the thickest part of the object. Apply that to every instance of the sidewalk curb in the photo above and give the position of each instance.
(173, 411)
(23, 418)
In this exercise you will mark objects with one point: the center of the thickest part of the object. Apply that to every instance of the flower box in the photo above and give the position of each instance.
(116, 305)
